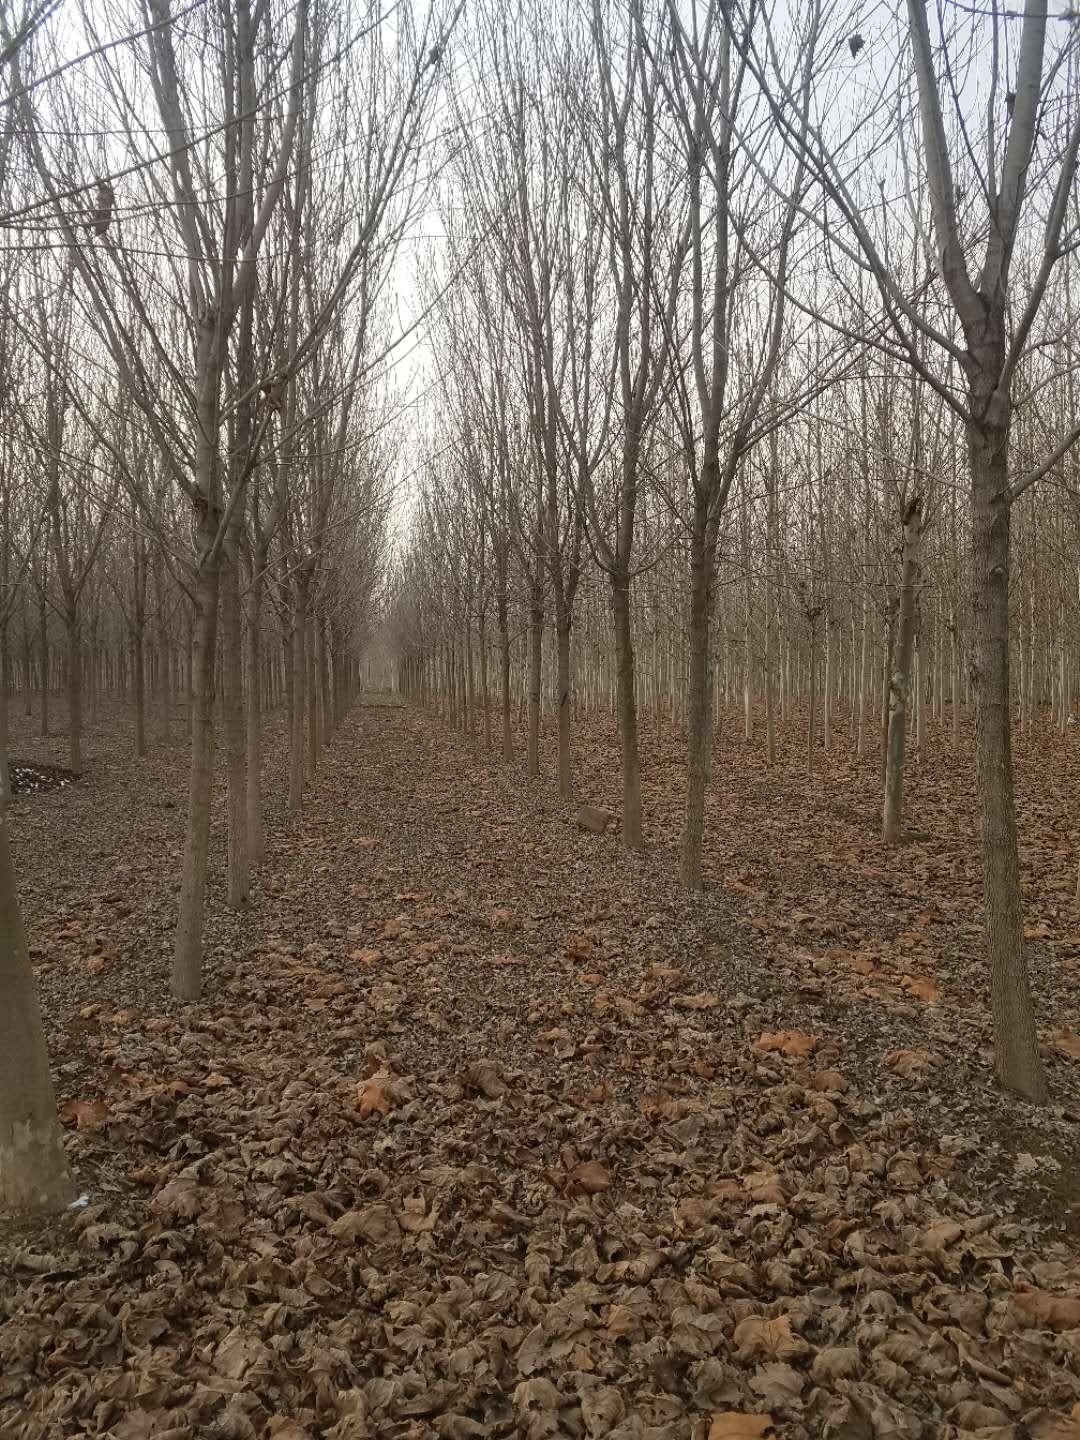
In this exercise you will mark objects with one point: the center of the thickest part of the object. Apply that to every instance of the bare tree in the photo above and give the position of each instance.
(999, 185)
(724, 381)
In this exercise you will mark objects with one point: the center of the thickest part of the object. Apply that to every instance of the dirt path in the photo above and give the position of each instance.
(485, 1129)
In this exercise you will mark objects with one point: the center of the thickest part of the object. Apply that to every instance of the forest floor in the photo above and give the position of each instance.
(485, 1128)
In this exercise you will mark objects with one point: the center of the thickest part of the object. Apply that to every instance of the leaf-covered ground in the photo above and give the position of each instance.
(486, 1129)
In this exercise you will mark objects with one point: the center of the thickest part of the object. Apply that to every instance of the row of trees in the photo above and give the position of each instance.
(810, 611)
(810, 626)
(203, 210)
(779, 306)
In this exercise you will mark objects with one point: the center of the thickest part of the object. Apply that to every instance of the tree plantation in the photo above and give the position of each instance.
(539, 633)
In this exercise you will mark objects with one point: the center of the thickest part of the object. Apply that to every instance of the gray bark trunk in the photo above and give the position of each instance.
(1019, 1066)
(33, 1172)
(900, 682)
(626, 702)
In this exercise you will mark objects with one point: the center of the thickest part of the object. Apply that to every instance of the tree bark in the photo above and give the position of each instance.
(626, 703)
(900, 682)
(698, 699)
(253, 642)
(505, 698)
(138, 671)
(33, 1172)
(563, 622)
(43, 623)
(74, 689)
(1019, 1066)
(536, 644)
(187, 954)
(298, 670)
(232, 716)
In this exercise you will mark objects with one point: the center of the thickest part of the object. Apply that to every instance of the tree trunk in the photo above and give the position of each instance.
(254, 710)
(748, 626)
(698, 701)
(138, 671)
(626, 702)
(1019, 1066)
(811, 717)
(883, 727)
(485, 695)
(955, 661)
(827, 689)
(33, 1173)
(863, 676)
(326, 707)
(314, 731)
(232, 716)
(536, 659)
(505, 691)
(298, 671)
(900, 683)
(563, 623)
(74, 690)
(5, 767)
(43, 621)
(187, 954)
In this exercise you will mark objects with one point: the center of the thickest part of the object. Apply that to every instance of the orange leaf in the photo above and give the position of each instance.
(367, 957)
(1067, 1041)
(374, 1095)
(788, 1042)
(737, 1425)
(1060, 1312)
(1067, 1428)
(909, 1063)
(87, 1114)
(702, 1001)
(921, 987)
(580, 947)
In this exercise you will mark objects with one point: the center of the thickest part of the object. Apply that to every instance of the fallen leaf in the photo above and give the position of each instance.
(777, 1384)
(788, 1042)
(1067, 1428)
(483, 1076)
(739, 1425)
(375, 1095)
(591, 1177)
(536, 1392)
(376, 1224)
(280, 1427)
(1066, 1041)
(367, 957)
(921, 986)
(911, 1064)
(938, 1236)
(759, 1337)
(87, 1114)
(1060, 1312)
